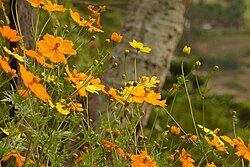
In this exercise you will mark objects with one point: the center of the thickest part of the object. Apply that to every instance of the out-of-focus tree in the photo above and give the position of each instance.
(159, 25)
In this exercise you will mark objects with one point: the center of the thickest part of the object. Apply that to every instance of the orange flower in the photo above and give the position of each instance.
(243, 151)
(77, 18)
(211, 165)
(142, 160)
(186, 159)
(215, 143)
(109, 144)
(97, 13)
(38, 56)
(23, 93)
(19, 159)
(175, 130)
(140, 95)
(10, 34)
(116, 37)
(82, 22)
(32, 82)
(36, 3)
(6, 67)
(53, 7)
(112, 93)
(55, 47)
(85, 83)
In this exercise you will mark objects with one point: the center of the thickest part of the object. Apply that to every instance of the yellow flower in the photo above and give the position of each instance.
(186, 159)
(18, 57)
(10, 34)
(60, 107)
(55, 47)
(144, 81)
(32, 82)
(139, 46)
(186, 50)
(115, 37)
(211, 165)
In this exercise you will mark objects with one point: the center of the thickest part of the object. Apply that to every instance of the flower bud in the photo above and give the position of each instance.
(108, 131)
(116, 132)
(93, 38)
(216, 68)
(197, 64)
(114, 65)
(171, 158)
(186, 50)
(126, 52)
(107, 40)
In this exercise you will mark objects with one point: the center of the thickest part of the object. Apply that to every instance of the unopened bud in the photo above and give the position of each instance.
(89, 30)
(107, 40)
(116, 132)
(1, 22)
(126, 52)
(197, 64)
(108, 131)
(123, 76)
(12, 72)
(216, 68)
(96, 62)
(112, 57)
(114, 65)
(93, 38)
(75, 155)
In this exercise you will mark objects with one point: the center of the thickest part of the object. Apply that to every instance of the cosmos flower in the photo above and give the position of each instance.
(55, 47)
(139, 46)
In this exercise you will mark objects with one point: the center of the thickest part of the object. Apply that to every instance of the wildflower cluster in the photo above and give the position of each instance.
(46, 118)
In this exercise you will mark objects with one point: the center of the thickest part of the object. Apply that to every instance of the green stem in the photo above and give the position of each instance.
(188, 97)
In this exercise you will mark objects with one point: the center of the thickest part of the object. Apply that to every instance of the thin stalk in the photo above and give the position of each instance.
(188, 97)
(174, 120)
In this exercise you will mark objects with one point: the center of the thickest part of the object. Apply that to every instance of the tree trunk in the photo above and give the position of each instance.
(159, 25)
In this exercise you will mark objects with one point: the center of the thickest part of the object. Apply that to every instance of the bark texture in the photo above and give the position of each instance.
(159, 25)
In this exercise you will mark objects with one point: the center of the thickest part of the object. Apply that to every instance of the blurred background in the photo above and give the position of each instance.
(219, 34)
